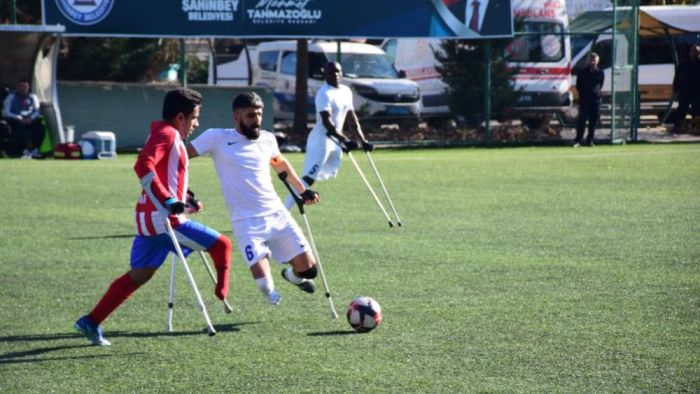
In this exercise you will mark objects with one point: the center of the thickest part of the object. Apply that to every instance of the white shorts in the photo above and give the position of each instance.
(323, 156)
(276, 235)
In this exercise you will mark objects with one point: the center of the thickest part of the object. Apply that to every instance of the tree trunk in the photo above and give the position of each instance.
(301, 91)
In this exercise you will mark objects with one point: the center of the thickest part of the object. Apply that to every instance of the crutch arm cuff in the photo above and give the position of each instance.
(153, 188)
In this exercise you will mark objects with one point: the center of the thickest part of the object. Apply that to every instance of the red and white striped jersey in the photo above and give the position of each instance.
(165, 155)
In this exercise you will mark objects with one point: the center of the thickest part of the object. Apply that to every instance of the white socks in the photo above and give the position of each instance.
(267, 287)
(265, 284)
(289, 274)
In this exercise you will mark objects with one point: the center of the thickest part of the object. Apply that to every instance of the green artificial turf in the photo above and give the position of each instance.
(516, 270)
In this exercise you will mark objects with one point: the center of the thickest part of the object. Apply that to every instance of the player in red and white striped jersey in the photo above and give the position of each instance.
(162, 167)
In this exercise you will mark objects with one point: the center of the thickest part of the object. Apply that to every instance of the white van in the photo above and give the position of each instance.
(662, 30)
(656, 66)
(414, 56)
(542, 54)
(380, 94)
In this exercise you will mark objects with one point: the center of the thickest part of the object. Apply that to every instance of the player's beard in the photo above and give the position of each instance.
(251, 132)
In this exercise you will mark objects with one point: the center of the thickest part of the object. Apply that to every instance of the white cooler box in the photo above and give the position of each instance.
(99, 145)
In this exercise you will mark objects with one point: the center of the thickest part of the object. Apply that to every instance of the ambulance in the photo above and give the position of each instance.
(540, 51)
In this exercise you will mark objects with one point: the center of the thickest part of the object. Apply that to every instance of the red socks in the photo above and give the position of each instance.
(117, 293)
(122, 288)
(220, 252)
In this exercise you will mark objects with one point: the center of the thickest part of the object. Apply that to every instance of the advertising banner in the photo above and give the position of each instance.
(282, 18)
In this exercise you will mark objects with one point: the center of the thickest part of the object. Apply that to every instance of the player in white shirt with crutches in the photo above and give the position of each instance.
(326, 142)
(262, 226)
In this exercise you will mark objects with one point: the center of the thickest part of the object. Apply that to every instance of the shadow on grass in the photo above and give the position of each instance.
(28, 356)
(331, 333)
(231, 327)
(119, 236)
(50, 337)
(109, 334)
(114, 236)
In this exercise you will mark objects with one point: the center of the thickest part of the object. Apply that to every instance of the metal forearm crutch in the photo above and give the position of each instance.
(364, 179)
(386, 193)
(171, 295)
(300, 204)
(146, 184)
(381, 182)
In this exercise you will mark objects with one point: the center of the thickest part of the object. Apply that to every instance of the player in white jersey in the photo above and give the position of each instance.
(326, 141)
(261, 224)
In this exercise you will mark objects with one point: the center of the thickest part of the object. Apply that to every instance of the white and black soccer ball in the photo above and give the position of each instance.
(364, 314)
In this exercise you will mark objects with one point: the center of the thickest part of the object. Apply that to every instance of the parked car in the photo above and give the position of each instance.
(381, 94)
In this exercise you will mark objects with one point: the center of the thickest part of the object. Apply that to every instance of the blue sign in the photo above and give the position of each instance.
(85, 12)
(283, 18)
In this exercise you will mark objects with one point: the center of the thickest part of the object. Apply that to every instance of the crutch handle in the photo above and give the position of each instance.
(297, 199)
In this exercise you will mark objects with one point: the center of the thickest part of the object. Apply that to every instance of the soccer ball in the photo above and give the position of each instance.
(364, 314)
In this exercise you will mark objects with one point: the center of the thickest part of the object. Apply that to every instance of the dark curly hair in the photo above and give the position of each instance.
(180, 100)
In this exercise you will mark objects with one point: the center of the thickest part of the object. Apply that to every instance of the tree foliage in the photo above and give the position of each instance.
(26, 11)
(116, 59)
(462, 68)
(197, 69)
(124, 60)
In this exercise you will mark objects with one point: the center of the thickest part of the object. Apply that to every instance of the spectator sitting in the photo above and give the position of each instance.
(21, 111)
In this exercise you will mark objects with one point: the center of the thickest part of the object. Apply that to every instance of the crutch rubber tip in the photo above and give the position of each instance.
(212, 333)
(391, 224)
(400, 225)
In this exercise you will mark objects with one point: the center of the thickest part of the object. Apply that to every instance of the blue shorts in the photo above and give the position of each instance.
(151, 251)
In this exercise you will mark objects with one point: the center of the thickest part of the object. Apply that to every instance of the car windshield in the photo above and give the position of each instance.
(316, 63)
(540, 42)
(366, 65)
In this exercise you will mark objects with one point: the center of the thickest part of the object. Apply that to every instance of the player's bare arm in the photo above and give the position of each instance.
(280, 165)
(354, 125)
(331, 131)
(191, 151)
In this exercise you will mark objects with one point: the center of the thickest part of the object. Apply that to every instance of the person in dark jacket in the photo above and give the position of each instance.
(21, 111)
(686, 84)
(589, 84)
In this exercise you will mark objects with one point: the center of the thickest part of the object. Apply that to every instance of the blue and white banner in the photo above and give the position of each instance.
(283, 18)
